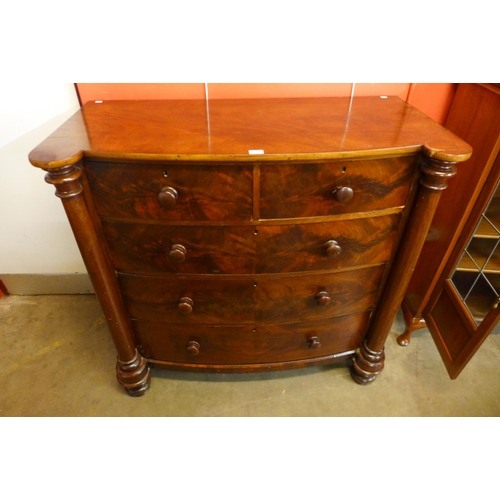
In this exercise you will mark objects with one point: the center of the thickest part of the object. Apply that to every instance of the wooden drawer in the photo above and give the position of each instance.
(197, 192)
(316, 297)
(245, 344)
(306, 190)
(247, 249)
(262, 300)
(214, 300)
(326, 246)
(205, 250)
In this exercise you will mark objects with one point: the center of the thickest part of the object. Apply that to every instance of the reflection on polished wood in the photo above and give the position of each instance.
(309, 128)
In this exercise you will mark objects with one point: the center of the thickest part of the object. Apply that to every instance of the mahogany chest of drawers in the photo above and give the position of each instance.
(249, 235)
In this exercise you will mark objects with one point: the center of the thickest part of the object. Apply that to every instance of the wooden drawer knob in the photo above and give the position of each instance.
(323, 298)
(185, 305)
(167, 197)
(332, 249)
(313, 342)
(193, 348)
(343, 194)
(177, 253)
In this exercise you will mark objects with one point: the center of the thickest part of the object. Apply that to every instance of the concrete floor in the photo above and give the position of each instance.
(58, 360)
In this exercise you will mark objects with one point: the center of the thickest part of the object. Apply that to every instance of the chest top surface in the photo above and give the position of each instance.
(226, 130)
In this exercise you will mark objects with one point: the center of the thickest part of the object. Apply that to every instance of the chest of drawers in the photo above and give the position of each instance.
(249, 235)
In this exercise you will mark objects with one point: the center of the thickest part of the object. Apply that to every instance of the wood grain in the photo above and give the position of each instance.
(251, 249)
(306, 190)
(244, 344)
(205, 192)
(248, 301)
(299, 128)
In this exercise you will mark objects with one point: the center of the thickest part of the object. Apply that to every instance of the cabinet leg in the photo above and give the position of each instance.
(367, 365)
(412, 322)
(134, 375)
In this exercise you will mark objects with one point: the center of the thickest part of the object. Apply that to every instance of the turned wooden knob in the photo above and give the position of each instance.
(343, 194)
(313, 342)
(323, 298)
(177, 253)
(185, 305)
(193, 348)
(332, 249)
(167, 197)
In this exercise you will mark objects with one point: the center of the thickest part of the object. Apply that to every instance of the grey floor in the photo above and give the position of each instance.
(58, 360)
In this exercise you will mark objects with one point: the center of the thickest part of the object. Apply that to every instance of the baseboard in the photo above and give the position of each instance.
(47, 284)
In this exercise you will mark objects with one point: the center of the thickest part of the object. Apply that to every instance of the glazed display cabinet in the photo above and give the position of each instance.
(464, 306)
(455, 286)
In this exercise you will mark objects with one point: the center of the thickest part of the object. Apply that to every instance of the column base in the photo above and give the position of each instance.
(134, 375)
(367, 365)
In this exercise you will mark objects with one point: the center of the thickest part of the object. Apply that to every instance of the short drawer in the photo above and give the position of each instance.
(171, 192)
(335, 188)
(181, 249)
(263, 300)
(232, 345)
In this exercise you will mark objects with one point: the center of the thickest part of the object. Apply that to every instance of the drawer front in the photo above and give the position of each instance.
(166, 299)
(310, 190)
(324, 246)
(242, 301)
(202, 250)
(247, 249)
(244, 344)
(171, 192)
(317, 297)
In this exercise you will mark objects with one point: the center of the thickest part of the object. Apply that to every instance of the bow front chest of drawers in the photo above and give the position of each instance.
(249, 235)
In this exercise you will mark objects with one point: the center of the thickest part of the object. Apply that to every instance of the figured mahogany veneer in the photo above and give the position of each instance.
(221, 347)
(258, 300)
(343, 187)
(206, 256)
(202, 192)
(245, 249)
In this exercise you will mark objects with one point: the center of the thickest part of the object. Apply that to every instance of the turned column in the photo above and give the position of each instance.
(132, 369)
(368, 360)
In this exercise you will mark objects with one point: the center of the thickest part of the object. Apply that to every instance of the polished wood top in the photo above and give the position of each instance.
(226, 130)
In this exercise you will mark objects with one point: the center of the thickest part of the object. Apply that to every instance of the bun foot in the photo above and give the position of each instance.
(404, 338)
(367, 365)
(412, 322)
(134, 375)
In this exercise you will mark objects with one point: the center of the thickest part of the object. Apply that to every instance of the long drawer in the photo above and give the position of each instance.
(245, 344)
(257, 300)
(152, 248)
(342, 187)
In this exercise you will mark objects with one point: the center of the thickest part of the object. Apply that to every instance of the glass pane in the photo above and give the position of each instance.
(480, 249)
(477, 275)
(464, 281)
(494, 279)
(493, 263)
(486, 228)
(481, 299)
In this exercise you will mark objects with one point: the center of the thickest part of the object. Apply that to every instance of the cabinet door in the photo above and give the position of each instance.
(465, 308)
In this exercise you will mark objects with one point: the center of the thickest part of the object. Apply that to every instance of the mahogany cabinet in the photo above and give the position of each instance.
(249, 235)
(446, 270)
